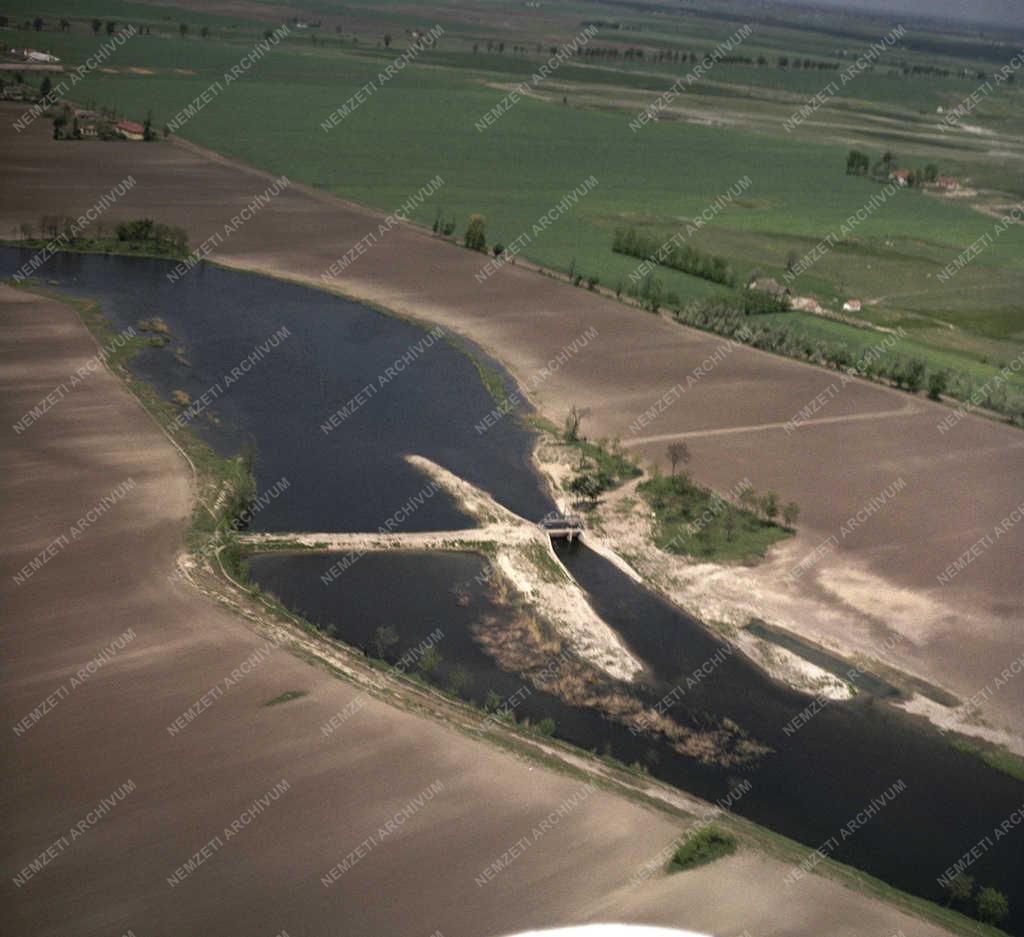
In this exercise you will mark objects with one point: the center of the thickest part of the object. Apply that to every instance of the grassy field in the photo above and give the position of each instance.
(693, 521)
(994, 756)
(576, 124)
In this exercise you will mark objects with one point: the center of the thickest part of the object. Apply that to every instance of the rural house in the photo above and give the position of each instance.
(131, 130)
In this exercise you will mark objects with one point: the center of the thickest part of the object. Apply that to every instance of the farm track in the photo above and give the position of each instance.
(907, 410)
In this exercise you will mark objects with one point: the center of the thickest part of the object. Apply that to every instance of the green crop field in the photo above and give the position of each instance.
(576, 124)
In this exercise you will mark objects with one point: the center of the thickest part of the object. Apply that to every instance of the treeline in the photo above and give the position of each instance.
(142, 234)
(680, 257)
(650, 292)
(859, 163)
(614, 53)
(723, 315)
(908, 68)
(164, 238)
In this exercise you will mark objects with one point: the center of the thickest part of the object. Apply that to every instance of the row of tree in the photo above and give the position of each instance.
(680, 257)
(692, 56)
(859, 163)
(767, 506)
(166, 239)
(726, 315)
(145, 232)
(723, 316)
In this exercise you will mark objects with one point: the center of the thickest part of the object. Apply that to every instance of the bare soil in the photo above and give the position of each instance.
(880, 579)
(111, 729)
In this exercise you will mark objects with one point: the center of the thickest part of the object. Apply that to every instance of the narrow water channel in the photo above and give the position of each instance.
(811, 785)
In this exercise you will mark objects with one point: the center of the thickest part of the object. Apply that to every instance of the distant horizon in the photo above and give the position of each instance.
(1005, 13)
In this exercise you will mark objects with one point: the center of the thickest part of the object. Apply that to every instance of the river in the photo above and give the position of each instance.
(815, 784)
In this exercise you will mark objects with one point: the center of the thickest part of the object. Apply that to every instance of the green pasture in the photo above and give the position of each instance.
(421, 123)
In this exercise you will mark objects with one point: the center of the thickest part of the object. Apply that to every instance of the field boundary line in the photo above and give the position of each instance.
(908, 410)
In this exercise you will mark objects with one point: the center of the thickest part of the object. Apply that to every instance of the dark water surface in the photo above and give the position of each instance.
(353, 477)
(815, 781)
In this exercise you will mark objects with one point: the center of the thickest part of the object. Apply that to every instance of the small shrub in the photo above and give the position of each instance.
(285, 697)
(546, 726)
(704, 846)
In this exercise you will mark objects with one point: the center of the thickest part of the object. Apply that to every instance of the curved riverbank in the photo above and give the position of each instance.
(268, 378)
(886, 573)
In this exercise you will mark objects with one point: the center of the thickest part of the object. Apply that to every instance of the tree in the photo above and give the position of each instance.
(457, 680)
(857, 163)
(498, 249)
(476, 234)
(97, 25)
(183, 29)
(546, 726)
(931, 172)
(678, 454)
(913, 375)
(573, 420)
(650, 292)
(37, 23)
(428, 662)
(993, 907)
(586, 486)
(384, 638)
(749, 499)
(492, 702)
(46, 87)
(387, 40)
(958, 889)
(770, 505)
(791, 261)
(147, 128)
(204, 32)
(937, 381)
(111, 27)
(65, 24)
(790, 513)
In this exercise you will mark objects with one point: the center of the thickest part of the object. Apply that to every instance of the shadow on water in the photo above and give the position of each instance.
(817, 778)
